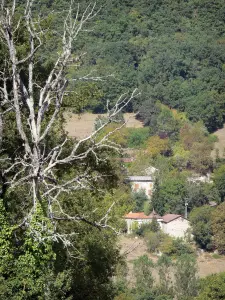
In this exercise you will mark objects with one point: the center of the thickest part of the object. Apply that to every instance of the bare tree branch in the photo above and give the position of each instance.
(37, 167)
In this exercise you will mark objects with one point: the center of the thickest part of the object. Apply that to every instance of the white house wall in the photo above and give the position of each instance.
(177, 227)
(142, 185)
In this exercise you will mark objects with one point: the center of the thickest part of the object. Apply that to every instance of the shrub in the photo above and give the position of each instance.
(137, 137)
(154, 225)
(140, 198)
(147, 208)
(143, 229)
(153, 240)
(175, 247)
(134, 227)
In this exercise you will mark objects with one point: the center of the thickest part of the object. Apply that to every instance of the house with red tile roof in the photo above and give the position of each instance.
(172, 224)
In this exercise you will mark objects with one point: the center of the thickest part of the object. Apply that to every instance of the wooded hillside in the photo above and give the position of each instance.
(173, 50)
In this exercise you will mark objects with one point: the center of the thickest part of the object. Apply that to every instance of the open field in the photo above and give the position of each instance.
(220, 145)
(135, 247)
(82, 125)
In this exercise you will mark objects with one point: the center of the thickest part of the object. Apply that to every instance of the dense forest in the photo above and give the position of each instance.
(61, 199)
(172, 50)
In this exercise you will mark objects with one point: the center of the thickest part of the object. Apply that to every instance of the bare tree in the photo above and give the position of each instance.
(34, 167)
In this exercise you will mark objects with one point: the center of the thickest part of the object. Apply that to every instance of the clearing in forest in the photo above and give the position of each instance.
(81, 125)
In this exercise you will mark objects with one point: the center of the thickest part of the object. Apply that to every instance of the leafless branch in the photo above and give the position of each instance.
(36, 168)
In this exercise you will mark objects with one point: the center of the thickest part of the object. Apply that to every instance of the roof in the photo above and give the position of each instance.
(141, 215)
(140, 178)
(170, 217)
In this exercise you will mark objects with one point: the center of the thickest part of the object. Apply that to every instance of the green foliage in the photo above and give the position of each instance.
(135, 227)
(164, 267)
(137, 137)
(143, 274)
(153, 240)
(140, 198)
(199, 193)
(84, 96)
(186, 277)
(147, 228)
(197, 146)
(167, 124)
(219, 180)
(174, 52)
(121, 282)
(157, 241)
(174, 247)
(218, 223)
(147, 208)
(183, 286)
(200, 219)
(154, 225)
(141, 162)
(212, 287)
(177, 60)
(116, 132)
(26, 265)
(168, 195)
(156, 146)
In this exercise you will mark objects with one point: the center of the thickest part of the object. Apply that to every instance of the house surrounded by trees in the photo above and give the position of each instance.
(172, 224)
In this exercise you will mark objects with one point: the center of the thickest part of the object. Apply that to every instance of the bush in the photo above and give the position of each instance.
(175, 247)
(134, 227)
(153, 240)
(140, 198)
(138, 137)
(154, 225)
(212, 287)
(147, 208)
(143, 229)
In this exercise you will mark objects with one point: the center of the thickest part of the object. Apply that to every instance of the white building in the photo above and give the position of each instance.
(142, 183)
(140, 218)
(172, 224)
(175, 225)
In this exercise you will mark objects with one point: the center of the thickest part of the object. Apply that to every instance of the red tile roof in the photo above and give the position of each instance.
(141, 215)
(170, 217)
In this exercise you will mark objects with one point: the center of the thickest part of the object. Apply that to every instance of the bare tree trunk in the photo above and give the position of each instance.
(37, 168)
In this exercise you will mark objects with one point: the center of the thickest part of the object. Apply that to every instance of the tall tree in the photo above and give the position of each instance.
(218, 223)
(54, 204)
(186, 277)
(200, 219)
(47, 168)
